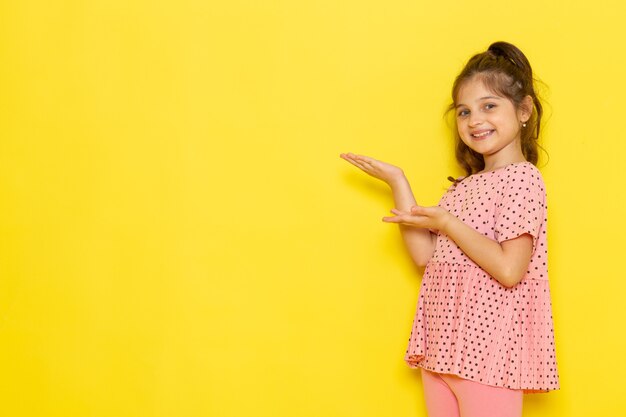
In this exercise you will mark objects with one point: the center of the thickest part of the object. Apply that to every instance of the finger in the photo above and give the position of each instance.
(347, 156)
(363, 166)
(392, 219)
(350, 157)
(397, 219)
(409, 213)
(356, 163)
(365, 158)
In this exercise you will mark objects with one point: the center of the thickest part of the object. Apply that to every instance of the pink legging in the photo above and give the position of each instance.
(448, 395)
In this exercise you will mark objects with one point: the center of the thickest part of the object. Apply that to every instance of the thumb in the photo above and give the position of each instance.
(416, 210)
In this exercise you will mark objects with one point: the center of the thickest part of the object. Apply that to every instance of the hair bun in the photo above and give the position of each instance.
(505, 50)
(497, 49)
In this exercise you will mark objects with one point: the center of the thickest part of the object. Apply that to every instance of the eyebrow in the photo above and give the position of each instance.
(482, 98)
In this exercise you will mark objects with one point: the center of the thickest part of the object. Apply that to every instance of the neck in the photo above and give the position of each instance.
(506, 156)
(491, 165)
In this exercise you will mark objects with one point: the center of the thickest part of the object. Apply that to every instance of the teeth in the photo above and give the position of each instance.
(482, 134)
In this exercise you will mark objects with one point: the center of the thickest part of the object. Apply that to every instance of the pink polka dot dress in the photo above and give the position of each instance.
(467, 323)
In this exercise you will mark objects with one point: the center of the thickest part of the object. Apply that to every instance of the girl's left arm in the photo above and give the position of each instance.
(507, 262)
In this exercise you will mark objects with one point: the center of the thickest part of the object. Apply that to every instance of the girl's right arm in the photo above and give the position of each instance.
(419, 242)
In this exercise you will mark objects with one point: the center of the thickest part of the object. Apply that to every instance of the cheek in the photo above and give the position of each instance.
(459, 125)
(461, 129)
(464, 138)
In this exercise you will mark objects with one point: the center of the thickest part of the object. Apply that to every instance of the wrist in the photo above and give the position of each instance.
(397, 180)
(446, 221)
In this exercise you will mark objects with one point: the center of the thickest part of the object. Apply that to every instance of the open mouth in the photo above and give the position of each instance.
(482, 135)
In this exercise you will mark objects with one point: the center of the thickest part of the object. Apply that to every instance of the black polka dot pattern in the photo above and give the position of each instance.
(467, 323)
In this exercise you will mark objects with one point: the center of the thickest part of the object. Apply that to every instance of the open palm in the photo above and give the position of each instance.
(377, 169)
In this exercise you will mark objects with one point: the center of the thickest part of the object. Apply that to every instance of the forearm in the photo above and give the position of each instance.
(419, 242)
(506, 265)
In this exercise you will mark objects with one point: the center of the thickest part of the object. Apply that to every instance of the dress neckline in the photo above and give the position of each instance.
(501, 168)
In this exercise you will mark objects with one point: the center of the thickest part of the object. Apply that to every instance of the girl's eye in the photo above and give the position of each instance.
(463, 113)
(489, 106)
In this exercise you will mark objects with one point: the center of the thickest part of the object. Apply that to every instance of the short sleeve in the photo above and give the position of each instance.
(522, 204)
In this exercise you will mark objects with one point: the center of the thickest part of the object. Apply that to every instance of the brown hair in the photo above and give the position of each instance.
(505, 70)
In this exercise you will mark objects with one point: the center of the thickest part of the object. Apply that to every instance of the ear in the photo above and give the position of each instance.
(525, 109)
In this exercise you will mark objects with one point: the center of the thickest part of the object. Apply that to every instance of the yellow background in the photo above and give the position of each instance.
(179, 237)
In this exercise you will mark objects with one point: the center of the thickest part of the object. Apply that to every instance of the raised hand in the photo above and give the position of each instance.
(377, 169)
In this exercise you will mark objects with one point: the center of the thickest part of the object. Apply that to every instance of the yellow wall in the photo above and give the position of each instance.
(178, 236)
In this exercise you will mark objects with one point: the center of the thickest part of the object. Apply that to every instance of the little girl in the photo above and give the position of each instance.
(483, 332)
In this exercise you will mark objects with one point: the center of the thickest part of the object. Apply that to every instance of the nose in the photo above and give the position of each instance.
(475, 119)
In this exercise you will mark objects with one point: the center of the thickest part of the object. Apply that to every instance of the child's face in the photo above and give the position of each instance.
(488, 123)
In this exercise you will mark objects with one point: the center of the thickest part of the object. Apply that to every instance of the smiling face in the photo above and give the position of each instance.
(488, 123)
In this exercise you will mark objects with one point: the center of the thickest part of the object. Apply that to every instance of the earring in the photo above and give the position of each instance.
(524, 124)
